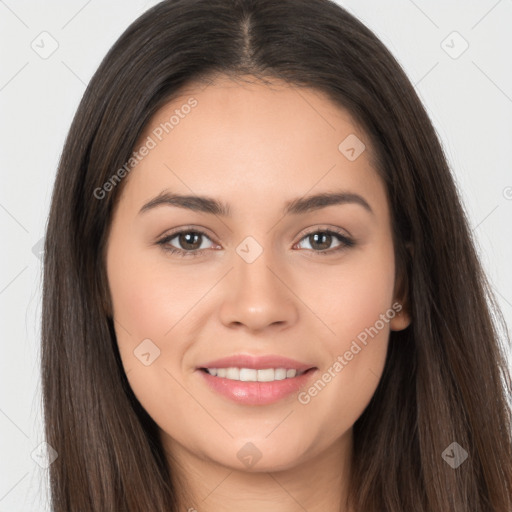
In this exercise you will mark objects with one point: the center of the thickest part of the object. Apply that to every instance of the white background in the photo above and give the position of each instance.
(469, 99)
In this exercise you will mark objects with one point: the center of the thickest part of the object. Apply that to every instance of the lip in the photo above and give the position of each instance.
(257, 362)
(257, 393)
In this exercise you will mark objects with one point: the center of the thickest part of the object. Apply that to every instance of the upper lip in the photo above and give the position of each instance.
(257, 362)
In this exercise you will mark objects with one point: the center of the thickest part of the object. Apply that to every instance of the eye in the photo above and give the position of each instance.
(190, 242)
(322, 239)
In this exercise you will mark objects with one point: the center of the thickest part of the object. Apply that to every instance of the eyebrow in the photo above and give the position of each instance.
(297, 206)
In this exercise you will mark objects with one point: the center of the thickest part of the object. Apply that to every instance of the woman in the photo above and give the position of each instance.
(260, 288)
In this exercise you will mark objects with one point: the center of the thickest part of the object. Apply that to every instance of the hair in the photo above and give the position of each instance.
(445, 379)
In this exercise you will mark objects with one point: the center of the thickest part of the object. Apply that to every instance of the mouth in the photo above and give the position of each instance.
(256, 380)
(255, 375)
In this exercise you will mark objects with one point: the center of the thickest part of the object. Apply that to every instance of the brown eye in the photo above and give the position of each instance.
(188, 243)
(320, 241)
(189, 240)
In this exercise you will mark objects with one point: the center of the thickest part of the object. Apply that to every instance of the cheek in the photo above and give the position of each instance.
(357, 310)
(366, 294)
(148, 301)
(351, 298)
(364, 317)
(149, 297)
(142, 302)
(153, 299)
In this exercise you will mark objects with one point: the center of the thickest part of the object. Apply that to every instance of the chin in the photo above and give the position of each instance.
(257, 455)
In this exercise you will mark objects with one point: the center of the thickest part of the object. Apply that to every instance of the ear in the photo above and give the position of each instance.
(401, 320)
(401, 303)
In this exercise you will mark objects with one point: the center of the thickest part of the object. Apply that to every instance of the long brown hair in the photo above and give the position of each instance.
(445, 379)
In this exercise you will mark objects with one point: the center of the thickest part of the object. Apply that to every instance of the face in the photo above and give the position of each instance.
(292, 295)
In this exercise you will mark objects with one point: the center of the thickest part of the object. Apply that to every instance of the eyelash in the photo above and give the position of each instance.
(346, 242)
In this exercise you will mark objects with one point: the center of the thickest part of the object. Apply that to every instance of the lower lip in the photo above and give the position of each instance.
(256, 393)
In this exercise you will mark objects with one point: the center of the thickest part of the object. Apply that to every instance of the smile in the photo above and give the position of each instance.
(256, 386)
(254, 375)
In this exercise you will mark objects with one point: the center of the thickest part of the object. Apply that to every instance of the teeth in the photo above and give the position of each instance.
(266, 375)
(248, 375)
(233, 374)
(252, 375)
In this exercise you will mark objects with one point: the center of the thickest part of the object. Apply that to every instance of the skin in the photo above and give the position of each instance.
(254, 146)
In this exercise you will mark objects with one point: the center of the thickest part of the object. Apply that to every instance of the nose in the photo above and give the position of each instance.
(257, 296)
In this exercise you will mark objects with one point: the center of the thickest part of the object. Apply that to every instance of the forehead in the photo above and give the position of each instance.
(239, 139)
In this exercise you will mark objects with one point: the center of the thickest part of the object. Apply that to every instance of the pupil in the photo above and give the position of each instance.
(184, 240)
(325, 236)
